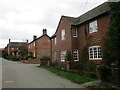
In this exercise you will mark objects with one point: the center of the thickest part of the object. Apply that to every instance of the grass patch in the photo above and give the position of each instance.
(75, 77)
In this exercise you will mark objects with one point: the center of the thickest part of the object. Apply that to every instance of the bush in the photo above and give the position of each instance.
(89, 66)
(76, 65)
(44, 60)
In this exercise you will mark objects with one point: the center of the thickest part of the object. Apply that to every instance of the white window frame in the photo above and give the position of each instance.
(63, 34)
(34, 54)
(55, 55)
(74, 32)
(93, 26)
(34, 44)
(95, 55)
(55, 40)
(75, 55)
(63, 54)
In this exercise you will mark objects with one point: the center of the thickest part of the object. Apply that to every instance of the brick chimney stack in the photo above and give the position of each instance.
(27, 40)
(9, 40)
(44, 31)
(34, 37)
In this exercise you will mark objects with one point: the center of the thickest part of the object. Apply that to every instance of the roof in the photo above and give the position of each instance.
(101, 9)
(17, 44)
(39, 38)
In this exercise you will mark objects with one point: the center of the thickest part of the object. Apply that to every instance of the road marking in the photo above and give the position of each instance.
(9, 81)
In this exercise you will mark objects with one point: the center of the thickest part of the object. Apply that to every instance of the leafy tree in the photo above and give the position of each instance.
(68, 56)
(111, 52)
(23, 50)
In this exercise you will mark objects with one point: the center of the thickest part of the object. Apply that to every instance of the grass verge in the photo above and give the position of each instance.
(75, 77)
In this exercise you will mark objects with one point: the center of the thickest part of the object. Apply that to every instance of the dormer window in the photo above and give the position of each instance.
(93, 27)
(63, 34)
(74, 32)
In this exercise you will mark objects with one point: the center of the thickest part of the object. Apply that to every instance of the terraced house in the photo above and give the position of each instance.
(40, 46)
(14, 46)
(86, 31)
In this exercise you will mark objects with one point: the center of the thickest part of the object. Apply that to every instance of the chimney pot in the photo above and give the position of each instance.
(44, 31)
(9, 40)
(34, 37)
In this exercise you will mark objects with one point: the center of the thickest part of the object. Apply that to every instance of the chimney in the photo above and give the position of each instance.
(9, 40)
(27, 40)
(44, 31)
(34, 37)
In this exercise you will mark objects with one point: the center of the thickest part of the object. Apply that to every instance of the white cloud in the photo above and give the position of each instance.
(21, 19)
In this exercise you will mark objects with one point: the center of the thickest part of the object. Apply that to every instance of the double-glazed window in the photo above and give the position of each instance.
(93, 27)
(63, 54)
(63, 34)
(95, 53)
(75, 55)
(74, 32)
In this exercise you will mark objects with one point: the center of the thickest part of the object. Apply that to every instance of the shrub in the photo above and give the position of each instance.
(45, 58)
(76, 65)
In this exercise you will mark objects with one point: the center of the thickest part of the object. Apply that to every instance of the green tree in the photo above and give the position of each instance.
(111, 52)
(68, 56)
(23, 50)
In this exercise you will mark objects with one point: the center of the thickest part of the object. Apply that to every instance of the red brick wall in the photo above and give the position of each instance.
(62, 44)
(43, 46)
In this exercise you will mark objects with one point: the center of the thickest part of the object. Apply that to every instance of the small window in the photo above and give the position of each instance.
(55, 55)
(55, 41)
(74, 31)
(12, 48)
(34, 43)
(63, 34)
(95, 53)
(75, 55)
(93, 26)
(63, 54)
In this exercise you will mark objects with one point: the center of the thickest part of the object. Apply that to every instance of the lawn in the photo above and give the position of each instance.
(75, 77)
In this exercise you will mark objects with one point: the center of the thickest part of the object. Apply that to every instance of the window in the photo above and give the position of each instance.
(75, 55)
(74, 31)
(63, 34)
(93, 26)
(95, 53)
(34, 43)
(55, 40)
(55, 55)
(12, 48)
(63, 54)
(34, 54)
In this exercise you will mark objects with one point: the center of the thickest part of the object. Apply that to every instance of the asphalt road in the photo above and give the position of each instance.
(20, 75)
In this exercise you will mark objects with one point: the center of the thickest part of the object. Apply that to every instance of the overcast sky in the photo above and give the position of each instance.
(21, 19)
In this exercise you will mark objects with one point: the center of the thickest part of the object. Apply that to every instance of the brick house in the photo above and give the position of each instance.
(14, 46)
(40, 46)
(88, 30)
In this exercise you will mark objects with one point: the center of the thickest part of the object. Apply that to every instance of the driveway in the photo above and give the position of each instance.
(20, 75)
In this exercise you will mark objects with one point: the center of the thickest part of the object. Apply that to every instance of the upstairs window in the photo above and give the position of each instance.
(55, 41)
(75, 55)
(63, 34)
(63, 54)
(74, 32)
(34, 43)
(95, 53)
(93, 27)
(12, 48)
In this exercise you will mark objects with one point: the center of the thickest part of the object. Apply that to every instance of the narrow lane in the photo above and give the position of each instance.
(20, 75)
